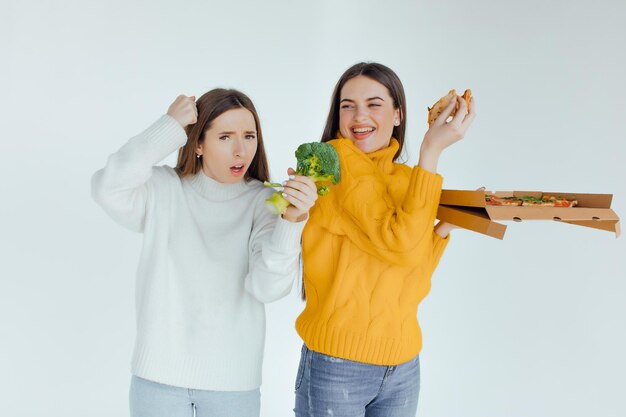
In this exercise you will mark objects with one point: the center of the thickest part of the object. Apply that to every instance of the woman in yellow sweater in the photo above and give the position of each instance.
(369, 250)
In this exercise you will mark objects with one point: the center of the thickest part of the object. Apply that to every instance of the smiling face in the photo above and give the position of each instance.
(366, 114)
(229, 146)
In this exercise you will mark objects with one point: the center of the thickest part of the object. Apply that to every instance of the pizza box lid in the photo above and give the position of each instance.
(468, 209)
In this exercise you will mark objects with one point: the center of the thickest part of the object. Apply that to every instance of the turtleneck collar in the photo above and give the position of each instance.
(214, 190)
(382, 158)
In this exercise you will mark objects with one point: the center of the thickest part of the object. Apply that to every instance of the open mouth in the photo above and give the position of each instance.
(360, 133)
(237, 169)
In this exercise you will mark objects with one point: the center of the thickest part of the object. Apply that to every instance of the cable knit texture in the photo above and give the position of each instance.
(212, 255)
(369, 251)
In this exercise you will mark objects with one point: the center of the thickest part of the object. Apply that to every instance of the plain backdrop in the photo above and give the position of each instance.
(533, 325)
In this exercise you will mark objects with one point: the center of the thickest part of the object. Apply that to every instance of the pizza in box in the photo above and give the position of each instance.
(529, 201)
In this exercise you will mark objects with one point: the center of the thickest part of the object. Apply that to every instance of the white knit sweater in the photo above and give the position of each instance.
(212, 255)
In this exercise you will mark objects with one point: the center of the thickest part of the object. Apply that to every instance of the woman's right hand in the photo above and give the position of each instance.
(443, 228)
(184, 110)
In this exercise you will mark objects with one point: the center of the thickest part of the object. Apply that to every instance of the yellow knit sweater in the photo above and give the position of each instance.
(369, 251)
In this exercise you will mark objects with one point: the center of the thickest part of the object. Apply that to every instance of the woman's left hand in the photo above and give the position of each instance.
(443, 133)
(301, 192)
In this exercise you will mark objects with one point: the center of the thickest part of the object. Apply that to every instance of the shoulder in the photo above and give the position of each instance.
(164, 174)
(164, 171)
(164, 179)
(256, 194)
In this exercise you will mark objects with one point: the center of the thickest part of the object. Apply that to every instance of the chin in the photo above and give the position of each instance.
(365, 147)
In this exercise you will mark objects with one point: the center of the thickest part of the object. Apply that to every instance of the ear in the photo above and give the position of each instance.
(198, 150)
(397, 115)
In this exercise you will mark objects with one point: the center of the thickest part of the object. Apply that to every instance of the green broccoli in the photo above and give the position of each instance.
(316, 160)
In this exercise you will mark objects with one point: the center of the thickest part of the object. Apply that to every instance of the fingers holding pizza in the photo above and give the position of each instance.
(448, 120)
(449, 105)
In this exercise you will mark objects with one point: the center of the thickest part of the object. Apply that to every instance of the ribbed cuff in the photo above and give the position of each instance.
(424, 189)
(287, 235)
(164, 137)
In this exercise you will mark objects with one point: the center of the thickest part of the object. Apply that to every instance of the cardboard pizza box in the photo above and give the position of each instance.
(469, 210)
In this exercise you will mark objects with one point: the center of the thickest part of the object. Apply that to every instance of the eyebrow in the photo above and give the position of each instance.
(232, 132)
(369, 99)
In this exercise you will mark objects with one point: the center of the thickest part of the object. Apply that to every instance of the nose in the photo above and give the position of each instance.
(240, 148)
(360, 113)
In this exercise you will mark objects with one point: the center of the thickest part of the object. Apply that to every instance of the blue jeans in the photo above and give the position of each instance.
(151, 399)
(329, 386)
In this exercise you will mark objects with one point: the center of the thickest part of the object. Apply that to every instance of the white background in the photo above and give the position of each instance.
(530, 326)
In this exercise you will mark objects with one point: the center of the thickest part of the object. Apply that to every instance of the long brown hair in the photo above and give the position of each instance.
(383, 75)
(210, 106)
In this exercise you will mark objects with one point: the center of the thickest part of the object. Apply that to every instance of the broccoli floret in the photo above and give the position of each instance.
(318, 161)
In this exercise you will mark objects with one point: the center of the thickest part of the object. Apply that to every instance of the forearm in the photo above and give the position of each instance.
(131, 165)
(275, 262)
(439, 244)
(429, 158)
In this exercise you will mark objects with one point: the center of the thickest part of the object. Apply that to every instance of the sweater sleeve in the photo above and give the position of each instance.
(275, 250)
(121, 186)
(439, 246)
(392, 231)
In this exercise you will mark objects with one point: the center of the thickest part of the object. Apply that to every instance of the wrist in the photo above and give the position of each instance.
(429, 158)
(295, 219)
(430, 150)
(177, 120)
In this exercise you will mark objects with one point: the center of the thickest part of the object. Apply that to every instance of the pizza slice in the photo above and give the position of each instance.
(442, 103)
(529, 201)
(494, 200)
(560, 201)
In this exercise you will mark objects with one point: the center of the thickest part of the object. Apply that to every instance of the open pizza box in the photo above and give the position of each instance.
(469, 210)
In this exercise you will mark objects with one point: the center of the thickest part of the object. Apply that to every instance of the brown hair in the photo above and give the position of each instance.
(210, 106)
(383, 75)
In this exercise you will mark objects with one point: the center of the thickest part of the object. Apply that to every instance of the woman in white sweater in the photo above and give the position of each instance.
(212, 254)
